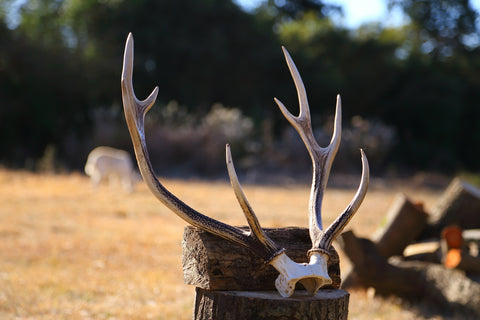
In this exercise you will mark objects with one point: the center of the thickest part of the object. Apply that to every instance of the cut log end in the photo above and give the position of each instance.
(453, 236)
(453, 258)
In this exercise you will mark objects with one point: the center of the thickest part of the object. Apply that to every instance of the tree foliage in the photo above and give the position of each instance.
(445, 26)
(294, 9)
(61, 63)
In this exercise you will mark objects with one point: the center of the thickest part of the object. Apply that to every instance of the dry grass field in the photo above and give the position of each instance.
(69, 252)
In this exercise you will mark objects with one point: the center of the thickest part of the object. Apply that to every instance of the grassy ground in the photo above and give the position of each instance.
(69, 252)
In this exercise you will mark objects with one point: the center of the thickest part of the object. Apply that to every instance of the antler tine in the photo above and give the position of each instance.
(135, 111)
(252, 219)
(304, 114)
(127, 79)
(337, 226)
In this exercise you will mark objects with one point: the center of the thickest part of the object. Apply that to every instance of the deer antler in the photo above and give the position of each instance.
(322, 159)
(135, 111)
(312, 275)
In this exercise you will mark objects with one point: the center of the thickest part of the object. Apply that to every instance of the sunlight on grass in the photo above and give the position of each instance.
(68, 252)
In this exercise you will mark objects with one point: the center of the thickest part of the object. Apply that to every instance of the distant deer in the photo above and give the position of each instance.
(114, 165)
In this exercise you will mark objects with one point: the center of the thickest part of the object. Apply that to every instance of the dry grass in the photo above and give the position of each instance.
(67, 252)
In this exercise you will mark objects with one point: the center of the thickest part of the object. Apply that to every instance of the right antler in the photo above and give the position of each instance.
(322, 159)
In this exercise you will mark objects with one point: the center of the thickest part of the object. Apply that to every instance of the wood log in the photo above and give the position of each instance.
(437, 250)
(365, 262)
(471, 235)
(463, 260)
(412, 280)
(259, 305)
(213, 263)
(459, 205)
(452, 258)
(428, 251)
(405, 222)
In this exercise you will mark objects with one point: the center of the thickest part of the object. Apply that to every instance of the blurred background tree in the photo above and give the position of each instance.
(415, 85)
(442, 27)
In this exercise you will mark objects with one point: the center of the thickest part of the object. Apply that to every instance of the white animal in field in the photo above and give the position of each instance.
(113, 165)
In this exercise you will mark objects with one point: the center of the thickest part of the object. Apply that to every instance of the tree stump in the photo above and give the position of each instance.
(233, 283)
(259, 305)
(213, 263)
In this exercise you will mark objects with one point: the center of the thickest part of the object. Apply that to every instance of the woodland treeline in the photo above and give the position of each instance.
(418, 85)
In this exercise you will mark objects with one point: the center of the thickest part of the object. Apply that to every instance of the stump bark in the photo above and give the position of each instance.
(213, 263)
(259, 305)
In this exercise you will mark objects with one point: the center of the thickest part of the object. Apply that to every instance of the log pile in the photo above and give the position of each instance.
(433, 257)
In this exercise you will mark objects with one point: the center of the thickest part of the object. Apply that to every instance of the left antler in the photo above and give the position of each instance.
(135, 111)
(322, 159)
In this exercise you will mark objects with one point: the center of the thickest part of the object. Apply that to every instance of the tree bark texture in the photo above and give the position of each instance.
(213, 263)
(259, 305)
(405, 222)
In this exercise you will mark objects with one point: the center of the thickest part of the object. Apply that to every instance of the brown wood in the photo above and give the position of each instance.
(258, 305)
(412, 280)
(461, 259)
(429, 251)
(452, 258)
(365, 260)
(405, 222)
(213, 263)
(452, 235)
(459, 205)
